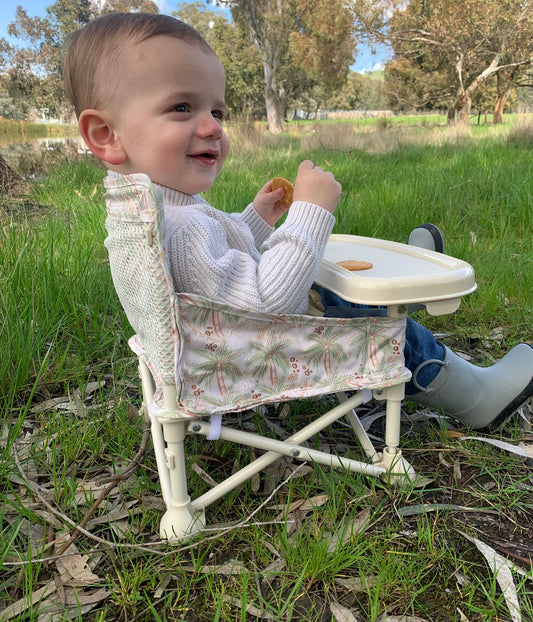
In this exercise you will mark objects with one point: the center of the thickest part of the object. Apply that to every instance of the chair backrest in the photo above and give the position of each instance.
(139, 269)
(223, 359)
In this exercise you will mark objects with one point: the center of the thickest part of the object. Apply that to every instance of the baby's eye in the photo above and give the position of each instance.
(182, 108)
(218, 114)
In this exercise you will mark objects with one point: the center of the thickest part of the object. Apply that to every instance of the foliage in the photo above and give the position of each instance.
(360, 92)
(8, 110)
(302, 45)
(293, 49)
(322, 44)
(446, 49)
(33, 70)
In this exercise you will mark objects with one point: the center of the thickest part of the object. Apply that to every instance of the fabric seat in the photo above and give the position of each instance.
(200, 359)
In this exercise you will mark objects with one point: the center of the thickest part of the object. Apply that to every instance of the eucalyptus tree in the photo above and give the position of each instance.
(300, 44)
(469, 42)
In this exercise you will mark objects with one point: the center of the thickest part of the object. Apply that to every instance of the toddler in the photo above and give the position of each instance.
(148, 92)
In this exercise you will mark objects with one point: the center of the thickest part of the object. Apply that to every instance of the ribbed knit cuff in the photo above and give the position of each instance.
(259, 227)
(316, 220)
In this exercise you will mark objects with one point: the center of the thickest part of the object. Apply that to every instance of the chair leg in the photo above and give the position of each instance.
(181, 520)
(359, 431)
(397, 467)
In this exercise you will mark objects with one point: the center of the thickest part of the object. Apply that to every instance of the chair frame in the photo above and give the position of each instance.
(185, 517)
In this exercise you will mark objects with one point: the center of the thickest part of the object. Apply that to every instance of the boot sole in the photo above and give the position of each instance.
(507, 412)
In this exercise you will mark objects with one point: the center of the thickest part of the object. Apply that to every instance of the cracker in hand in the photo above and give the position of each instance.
(280, 182)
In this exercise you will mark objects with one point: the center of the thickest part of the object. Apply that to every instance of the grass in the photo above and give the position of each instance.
(69, 395)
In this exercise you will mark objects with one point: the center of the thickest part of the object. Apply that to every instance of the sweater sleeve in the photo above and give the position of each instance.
(260, 229)
(206, 259)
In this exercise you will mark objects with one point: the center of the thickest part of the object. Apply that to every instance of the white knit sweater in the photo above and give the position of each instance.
(215, 254)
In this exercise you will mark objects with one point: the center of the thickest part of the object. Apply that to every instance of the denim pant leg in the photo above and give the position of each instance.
(420, 344)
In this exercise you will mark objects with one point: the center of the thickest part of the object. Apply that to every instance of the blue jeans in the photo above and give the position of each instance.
(420, 344)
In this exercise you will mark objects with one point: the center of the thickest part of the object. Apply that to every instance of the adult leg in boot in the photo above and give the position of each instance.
(479, 397)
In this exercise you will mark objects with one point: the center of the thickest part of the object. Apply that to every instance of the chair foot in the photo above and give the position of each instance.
(398, 469)
(181, 522)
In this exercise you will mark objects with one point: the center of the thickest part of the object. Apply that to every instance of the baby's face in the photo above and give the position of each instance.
(168, 113)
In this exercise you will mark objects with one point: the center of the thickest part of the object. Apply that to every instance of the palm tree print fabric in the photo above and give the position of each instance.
(231, 359)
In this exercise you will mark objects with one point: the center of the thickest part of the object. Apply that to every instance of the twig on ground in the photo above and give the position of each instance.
(119, 477)
(79, 528)
(133, 465)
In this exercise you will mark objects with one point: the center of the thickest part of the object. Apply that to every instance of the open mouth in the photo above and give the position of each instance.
(206, 155)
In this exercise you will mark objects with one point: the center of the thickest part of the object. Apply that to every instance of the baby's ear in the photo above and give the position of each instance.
(98, 133)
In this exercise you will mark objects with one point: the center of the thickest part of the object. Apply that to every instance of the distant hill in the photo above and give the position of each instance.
(378, 74)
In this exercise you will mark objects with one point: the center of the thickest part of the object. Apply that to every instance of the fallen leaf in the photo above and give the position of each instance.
(357, 584)
(348, 530)
(250, 609)
(231, 567)
(274, 568)
(519, 450)
(528, 448)
(163, 585)
(463, 618)
(203, 474)
(74, 570)
(423, 508)
(87, 491)
(21, 605)
(501, 567)
(385, 617)
(368, 420)
(341, 613)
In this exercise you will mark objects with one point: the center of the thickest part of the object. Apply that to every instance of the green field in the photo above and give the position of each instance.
(69, 394)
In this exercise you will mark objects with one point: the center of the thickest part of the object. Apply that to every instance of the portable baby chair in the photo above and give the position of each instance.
(200, 359)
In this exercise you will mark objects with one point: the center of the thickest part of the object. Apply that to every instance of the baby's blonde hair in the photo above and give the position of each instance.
(95, 55)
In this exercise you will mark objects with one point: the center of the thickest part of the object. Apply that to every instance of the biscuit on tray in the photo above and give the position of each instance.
(354, 264)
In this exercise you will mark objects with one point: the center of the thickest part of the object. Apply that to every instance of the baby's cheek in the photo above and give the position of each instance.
(224, 147)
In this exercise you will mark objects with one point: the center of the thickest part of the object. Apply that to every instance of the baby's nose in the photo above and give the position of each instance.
(209, 126)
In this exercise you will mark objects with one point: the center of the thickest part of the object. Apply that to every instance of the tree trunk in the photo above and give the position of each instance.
(274, 102)
(464, 96)
(505, 87)
(498, 110)
(450, 116)
(265, 25)
(463, 106)
(275, 110)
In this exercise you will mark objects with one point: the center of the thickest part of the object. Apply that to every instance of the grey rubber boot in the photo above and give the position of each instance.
(479, 397)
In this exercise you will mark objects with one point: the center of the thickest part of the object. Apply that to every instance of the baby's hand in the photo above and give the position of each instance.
(267, 203)
(316, 186)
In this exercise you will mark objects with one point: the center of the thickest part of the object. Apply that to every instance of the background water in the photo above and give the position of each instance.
(33, 159)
